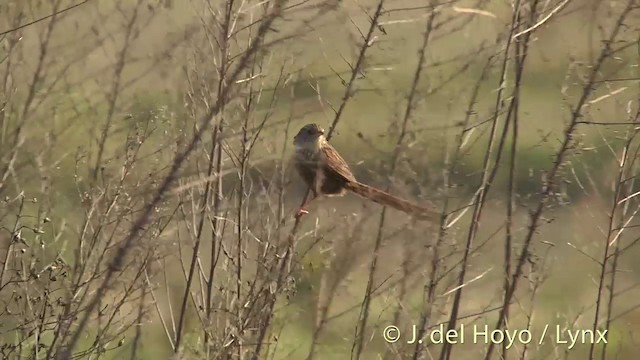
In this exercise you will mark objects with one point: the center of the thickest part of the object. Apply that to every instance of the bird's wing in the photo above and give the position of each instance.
(335, 164)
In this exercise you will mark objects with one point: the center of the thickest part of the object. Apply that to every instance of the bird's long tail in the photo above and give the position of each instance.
(387, 199)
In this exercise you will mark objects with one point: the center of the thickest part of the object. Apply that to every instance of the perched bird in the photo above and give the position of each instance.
(326, 173)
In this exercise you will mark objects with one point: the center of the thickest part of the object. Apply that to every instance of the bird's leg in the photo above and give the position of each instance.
(301, 212)
(307, 199)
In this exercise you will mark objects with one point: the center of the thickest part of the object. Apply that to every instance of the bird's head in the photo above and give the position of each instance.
(310, 136)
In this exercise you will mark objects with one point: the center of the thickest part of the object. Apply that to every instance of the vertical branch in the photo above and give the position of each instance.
(520, 47)
(114, 93)
(417, 76)
(622, 189)
(429, 294)
(214, 166)
(38, 77)
(137, 339)
(240, 221)
(488, 174)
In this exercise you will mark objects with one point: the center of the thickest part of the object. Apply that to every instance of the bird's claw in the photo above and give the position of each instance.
(301, 212)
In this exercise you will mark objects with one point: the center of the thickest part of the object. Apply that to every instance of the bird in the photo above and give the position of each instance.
(327, 174)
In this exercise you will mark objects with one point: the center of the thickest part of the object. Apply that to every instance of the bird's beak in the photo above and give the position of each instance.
(321, 132)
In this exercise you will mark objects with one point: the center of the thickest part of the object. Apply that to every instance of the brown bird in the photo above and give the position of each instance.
(326, 173)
